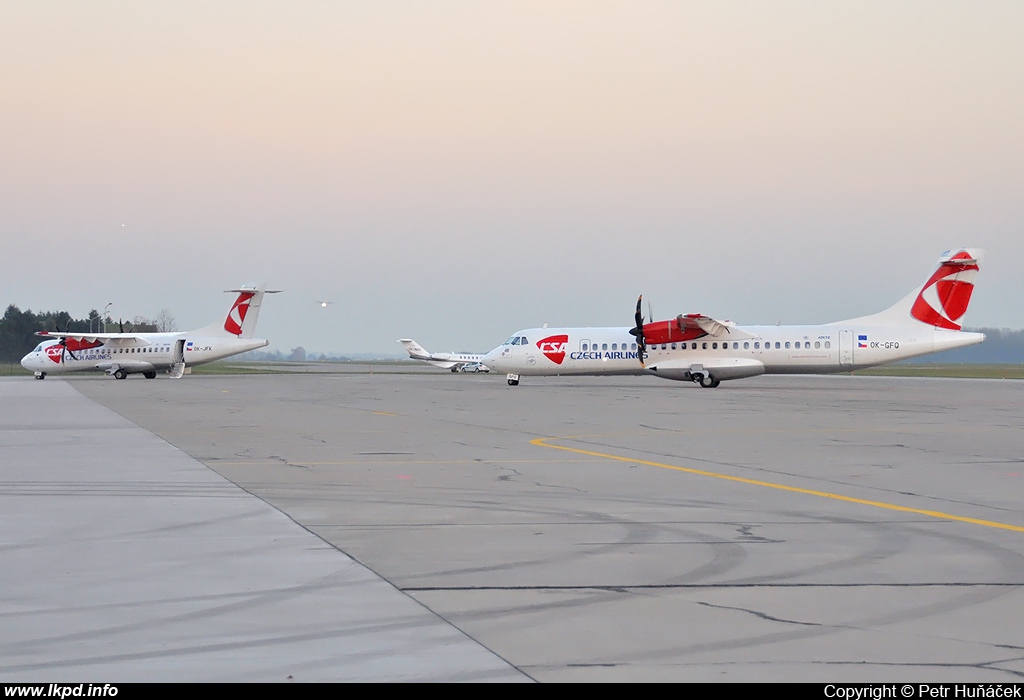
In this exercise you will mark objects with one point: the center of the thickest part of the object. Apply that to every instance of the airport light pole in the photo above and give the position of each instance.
(104, 319)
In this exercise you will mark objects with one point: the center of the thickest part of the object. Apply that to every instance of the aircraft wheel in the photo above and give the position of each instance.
(40, 375)
(455, 369)
(120, 374)
(149, 375)
(513, 382)
(709, 382)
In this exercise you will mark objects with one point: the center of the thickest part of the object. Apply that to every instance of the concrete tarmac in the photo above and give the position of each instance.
(123, 559)
(833, 529)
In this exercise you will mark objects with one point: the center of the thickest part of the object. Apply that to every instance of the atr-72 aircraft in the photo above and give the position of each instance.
(694, 347)
(121, 354)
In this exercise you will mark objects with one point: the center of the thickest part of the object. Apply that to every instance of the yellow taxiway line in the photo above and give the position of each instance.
(543, 442)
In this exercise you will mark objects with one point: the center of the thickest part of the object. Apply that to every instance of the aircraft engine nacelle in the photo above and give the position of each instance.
(674, 331)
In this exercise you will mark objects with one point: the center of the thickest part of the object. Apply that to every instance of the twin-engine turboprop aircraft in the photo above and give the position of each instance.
(121, 354)
(694, 347)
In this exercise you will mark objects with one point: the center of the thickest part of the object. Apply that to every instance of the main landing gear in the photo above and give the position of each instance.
(706, 381)
(513, 380)
(120, 374)
(149, 375)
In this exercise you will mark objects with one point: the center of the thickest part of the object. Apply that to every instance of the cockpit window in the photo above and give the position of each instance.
(39, 348)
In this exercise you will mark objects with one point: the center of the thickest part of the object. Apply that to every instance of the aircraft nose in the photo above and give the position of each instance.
(26, 361)
(491, 359)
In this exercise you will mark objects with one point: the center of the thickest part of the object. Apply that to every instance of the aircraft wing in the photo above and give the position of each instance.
(690, 327)
(718, 329)
(126, 340)
(443, 364)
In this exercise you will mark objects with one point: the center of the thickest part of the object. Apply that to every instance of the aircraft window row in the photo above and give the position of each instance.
(121, 351)
(798, 345)
(604, 346)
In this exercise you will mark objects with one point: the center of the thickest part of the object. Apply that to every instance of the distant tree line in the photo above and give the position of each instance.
(18, 328)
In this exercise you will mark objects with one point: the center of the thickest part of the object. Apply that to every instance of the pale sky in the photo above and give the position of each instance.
(455, 171)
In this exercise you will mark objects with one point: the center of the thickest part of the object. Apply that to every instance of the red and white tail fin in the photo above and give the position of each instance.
(942, 300)
(241, 319)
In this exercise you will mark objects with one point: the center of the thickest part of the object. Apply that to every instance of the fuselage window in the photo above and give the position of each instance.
(632, 346)
(584, 348)
(604, 346)
(746, 345)
(703, 346)
(674, 347)
(757, 345)
(817, 344)
(663, 346)
(787, 345)
(777, 345)
(828, 344)
(735, 346)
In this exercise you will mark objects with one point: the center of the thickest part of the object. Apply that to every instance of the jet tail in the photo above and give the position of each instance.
(241, 319)
(942, 300)
(415, 350)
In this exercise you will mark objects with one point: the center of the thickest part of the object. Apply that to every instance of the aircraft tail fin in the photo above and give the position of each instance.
(241, 318)
(942, 300)
(415, 350)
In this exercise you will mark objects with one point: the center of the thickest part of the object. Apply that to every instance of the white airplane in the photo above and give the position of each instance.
(121, 354)
(455, 361)
(694, 347)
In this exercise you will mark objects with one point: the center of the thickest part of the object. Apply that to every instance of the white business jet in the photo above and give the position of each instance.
(694, 347)
(121, 354)
(455, 361)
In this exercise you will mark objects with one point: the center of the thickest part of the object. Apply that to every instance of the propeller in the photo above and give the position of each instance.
(65, 349)
(63, 342)
(638, 331)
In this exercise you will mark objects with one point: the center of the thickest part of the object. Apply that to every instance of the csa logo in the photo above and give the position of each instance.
(53, 352)
(233, 323)
(944, 298)
(553, 347)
